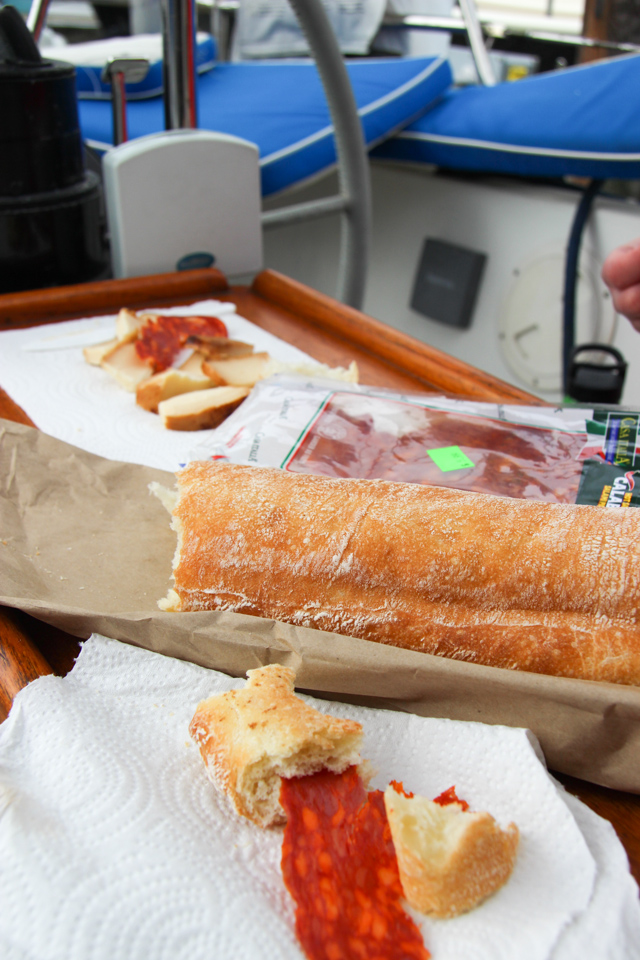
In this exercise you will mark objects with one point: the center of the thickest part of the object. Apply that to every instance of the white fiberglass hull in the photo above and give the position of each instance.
(522, 228)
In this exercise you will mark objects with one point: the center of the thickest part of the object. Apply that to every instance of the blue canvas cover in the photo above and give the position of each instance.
(581, 121)
(281, 107)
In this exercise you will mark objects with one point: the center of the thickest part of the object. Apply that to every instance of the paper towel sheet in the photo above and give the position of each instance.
(44, 372)
(113, 843)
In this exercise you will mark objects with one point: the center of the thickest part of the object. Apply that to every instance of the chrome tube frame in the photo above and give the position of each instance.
(118, 72)
(477, 43)
(308, 210)
(467, 24)
(223, 20)
(118, 107)
(354, 200)
(36, 17)
(179, 64)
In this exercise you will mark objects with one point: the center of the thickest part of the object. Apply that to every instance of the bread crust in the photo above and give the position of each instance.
(249, 739)
(547, 588)
(449, 860)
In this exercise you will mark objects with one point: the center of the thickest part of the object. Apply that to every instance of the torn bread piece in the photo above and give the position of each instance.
(201, 409)
(350, 374)
(450, 859)
(250, 739)
(170, 383)
(169, 500)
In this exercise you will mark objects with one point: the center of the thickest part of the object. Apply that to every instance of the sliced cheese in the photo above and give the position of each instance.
(95, 354)
(222, 348)
(239, 371)
(193, 364)
(124, 364)
(169, 383)
(127, 325)
(201, 409)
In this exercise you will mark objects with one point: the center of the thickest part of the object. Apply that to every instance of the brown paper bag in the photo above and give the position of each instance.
(85, 546)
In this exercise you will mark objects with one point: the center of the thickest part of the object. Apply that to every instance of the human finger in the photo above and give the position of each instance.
(621, 268)
(627, 303)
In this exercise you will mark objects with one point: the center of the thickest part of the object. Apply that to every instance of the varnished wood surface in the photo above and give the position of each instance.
(386, 357)
(11, 411)
(35, 307)
(330, 333)
(621, 809)
(20, 659)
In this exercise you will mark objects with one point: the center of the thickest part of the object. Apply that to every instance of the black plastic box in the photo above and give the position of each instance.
(447, 283)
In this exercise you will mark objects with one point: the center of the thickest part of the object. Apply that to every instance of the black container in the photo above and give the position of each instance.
(51, 221)
(596, 382)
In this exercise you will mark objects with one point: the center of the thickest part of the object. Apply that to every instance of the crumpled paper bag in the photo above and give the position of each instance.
(85, 547)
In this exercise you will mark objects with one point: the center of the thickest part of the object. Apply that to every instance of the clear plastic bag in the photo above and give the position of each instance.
(553, 454)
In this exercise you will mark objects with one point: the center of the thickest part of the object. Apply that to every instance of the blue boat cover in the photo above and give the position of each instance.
(580, 121)
(281, 107)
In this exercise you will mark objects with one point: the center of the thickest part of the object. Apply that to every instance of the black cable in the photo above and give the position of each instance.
(571, 276)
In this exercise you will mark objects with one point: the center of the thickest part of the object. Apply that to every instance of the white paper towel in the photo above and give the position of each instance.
(44, 371)
(113, 843)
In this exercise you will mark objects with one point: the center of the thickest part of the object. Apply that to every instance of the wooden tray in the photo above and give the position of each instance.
(325, 329)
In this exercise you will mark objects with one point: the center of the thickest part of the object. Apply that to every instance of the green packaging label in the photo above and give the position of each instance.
(450, 458)
(613, 479)
(620, 439)
(606, 485)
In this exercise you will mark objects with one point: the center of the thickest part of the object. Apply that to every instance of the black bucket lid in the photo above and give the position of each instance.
(40, 140)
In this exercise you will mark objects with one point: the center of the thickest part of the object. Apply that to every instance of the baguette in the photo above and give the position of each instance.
(349, 374)
(250, 739)
(548, 588)
(449, 860)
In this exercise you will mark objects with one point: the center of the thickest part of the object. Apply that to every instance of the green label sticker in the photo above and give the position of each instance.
(450, 458)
